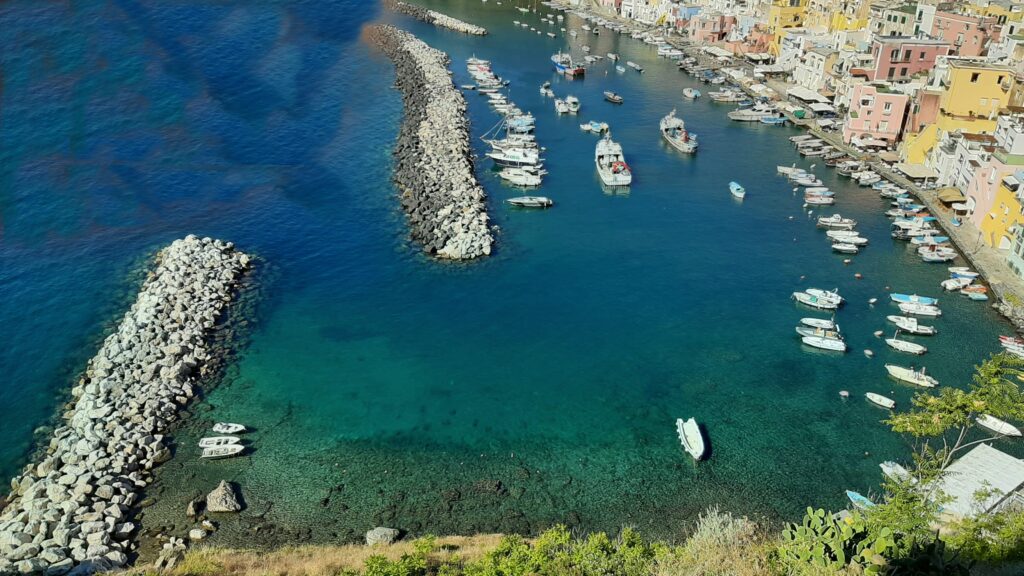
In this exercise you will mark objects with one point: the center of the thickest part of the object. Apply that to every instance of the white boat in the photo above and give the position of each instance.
(814, 301)
(752, 114)
(515, 157)
(845, 248)
(905, 345)
(737, 190)
(573, 104)
(691, 437)
(998, 426)
(809, 180)
(531, 201)
(819, 332)
(613, 56)
(962, 272)
(595, 127)
(814, 200)
(919, 309)
(841, 234)
(217, 452)
(824, 343)
(954, 284)
(897, 297)
(832, 295)
(691, 93)
(620, 69)
(836, 221)
(945, 256)
(895, 471)
(611, 164)
(881, 400)
(228, 428)
(819, 323)
(788, 170)
(673, 130)
(561, 107)
(520, 177)
(911, 376)
(909, 324)
(212, 441)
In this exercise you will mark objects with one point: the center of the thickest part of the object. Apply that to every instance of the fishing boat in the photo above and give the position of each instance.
(881, 400)
(806, 180)
(564, 65)
(919, 309)
(228, 428)
(857, 499)
(611, 164)
(954, 284)
(822, 323)
(832, 295)
(531, 201)
(908, 324)
(998, 426)
(895, 471)
(911, 376)
(691, 93)
(824, 343)
(212, 441)
(218, 452)
(573, 104)
(691, 437)
(673, 130)
(905, 345)
(896, 297)
(815, 302)
(594, 127)
(561, 107)
(612, 97)
(737, 190)
(835, 222)
(634, 66)
(620, 69)
(818, 332)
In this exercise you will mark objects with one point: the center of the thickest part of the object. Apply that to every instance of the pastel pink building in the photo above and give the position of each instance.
(710, 28)
(968, 35)
(875, 113)
(899, 58)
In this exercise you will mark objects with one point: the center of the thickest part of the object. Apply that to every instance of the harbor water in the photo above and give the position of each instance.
(539, 385)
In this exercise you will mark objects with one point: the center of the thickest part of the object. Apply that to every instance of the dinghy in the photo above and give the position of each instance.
(217, 452)
(814, 301)
(908, 324)
(919, 309)
(998, 426)
(737, 190)
(913, 298)
(691, 438)
(881, 400)
(819, 323)
(905, 345)
(228, 428)
(911, 376)
(895, 471)
(824, 343)
(212, 441)
(859, 500)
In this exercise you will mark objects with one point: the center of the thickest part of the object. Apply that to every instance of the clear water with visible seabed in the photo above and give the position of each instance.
(537, 386)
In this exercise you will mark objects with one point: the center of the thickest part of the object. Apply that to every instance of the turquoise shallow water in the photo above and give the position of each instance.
(537, 386)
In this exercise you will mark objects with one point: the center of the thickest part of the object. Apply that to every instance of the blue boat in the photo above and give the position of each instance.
(774, 120)
(913, 298)
(859, 500)
(737, 190)
(955, 222)
(564, 65)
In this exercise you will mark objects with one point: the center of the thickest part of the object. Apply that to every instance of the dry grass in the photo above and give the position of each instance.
(314, 560)
(721, 545)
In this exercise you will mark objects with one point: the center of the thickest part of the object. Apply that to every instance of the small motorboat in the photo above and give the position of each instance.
(822, 323)
(691, 93)
(573, 104)
(911, 376)
(612, 97)
(815, 302)
(919, 309)
(962, 272)
(594, 127)
(859, 500)
(895, 471)
(909, 324)
(824, 343)
(561, 107)
(832, 295)
(845, 248)
(228, 428)
(620, 69)
(531, 202)
(882, 401)
(691, 437)
(737, 190)
(895, 297)
(218, 452)
(212, 441)
(836, 221)
(905, 345)
(998, 426)
(954, 284)
(819, 332)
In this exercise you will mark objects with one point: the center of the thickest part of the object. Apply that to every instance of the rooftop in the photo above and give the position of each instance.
(982, 469)
(976, 64)
(910, 40)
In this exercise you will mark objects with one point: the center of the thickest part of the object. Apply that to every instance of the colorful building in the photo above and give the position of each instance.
(968, 35)
(1000, 224)
(892, 19)
(875, 112)
(898, 58)
(783, 15)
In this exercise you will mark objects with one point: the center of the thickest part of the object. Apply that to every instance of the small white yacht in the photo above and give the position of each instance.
(911, 376)
(573, 104)
(561, 107)
(691, 438)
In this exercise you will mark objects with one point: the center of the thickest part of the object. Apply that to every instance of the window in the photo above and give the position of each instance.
(892, 72)
(1000, 79)
(974, 78)
(883, 125)
(887, 108)
(903, 72)
(984, 102)
(922, 55)
(894, 55)
(906, 55)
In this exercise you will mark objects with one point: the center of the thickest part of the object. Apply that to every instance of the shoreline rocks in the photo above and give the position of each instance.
(446, 206)
(433, 17)
(71, 510)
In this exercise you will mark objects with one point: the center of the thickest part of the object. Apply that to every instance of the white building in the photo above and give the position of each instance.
(814, 70)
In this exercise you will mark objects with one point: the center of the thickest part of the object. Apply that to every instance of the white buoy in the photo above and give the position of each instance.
(844, 394)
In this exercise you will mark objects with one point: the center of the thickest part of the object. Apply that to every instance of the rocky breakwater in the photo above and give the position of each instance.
(71, 509)
(447, 207)
(435, 18)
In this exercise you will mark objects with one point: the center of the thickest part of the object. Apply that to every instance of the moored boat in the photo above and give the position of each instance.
(919, 309)
(612, 97)
(911, 376)
(822, 343)
(882, 401)
(895, 471)
(611, 163)
(228, 428)
(859, 500)
(897, 297)
(218, 452)
(673, 129)
(565, 65)
(691, 437)
(531, 201)
(908, 324)
(819, 323)
(905, 345)
(814, 301)
(998, 426)
(836, 221)
(212, 441)
(691, 93)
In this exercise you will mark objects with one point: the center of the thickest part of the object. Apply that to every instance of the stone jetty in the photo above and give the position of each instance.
(71, 510)
(435, 18)
(447, 207)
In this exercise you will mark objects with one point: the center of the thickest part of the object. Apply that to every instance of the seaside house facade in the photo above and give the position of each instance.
(814, 70)
(1001, 224)
(899, 58)
(968, 35)
(875, 112)
(783, 15)
(891, 18)
(1006, 158)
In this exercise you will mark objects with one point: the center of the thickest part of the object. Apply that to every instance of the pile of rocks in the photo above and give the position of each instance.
(446, 206)
(435, 18)
(70, 510)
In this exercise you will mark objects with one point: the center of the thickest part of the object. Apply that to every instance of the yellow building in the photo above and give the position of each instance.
(783, 14)
(836, 15)
(1002, 13)
(973, 93)
(999, 226)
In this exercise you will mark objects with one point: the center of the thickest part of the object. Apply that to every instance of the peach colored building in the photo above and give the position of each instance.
(710, 28)
(924, 109)
(899, 58)
(968, 35)
(875, 113)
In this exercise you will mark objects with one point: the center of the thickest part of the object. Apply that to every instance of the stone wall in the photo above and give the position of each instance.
(433, 17)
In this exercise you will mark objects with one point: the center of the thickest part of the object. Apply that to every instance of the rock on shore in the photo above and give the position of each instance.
(71, 510)
(435, 18)
(446, 206)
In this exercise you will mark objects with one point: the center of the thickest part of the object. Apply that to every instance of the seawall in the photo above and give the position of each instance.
(434, 17)
(71, 509)
(446, 206)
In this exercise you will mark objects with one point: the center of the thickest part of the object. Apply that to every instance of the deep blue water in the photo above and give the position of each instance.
(388, 388)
